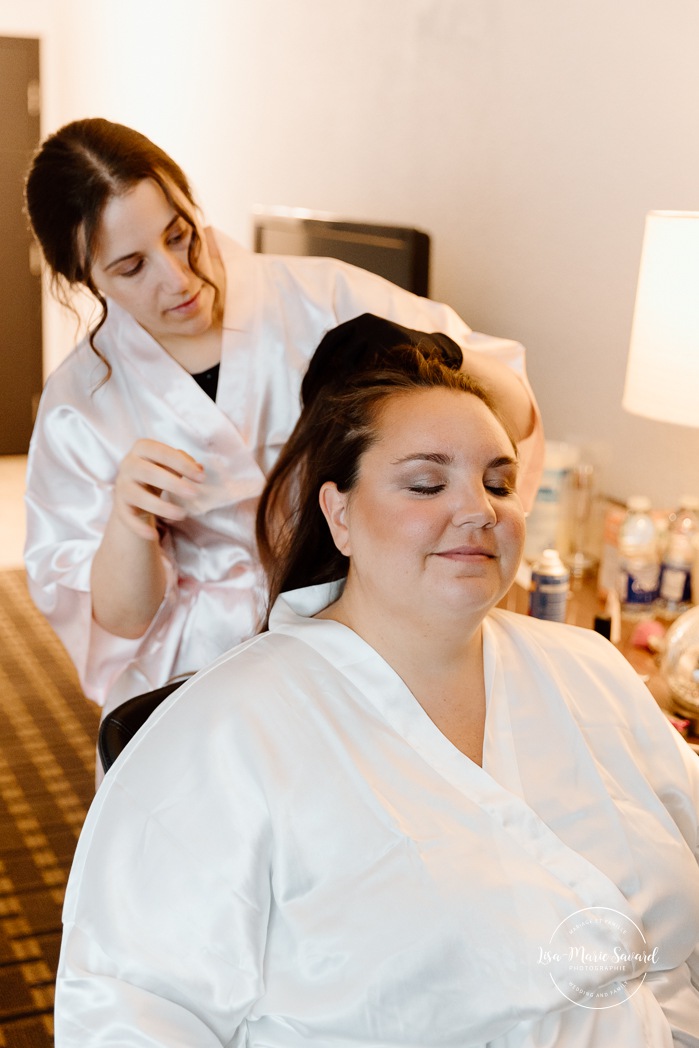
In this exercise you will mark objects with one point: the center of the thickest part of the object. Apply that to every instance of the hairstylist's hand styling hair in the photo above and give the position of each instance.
(368, 342)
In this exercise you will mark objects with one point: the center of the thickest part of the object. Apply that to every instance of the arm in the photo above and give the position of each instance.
(73, 460)
(128, 578)
(168, 901)
(498, 363)
(508, 391)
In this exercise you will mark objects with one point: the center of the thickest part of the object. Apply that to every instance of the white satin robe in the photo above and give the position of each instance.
(291, 854)
(275, 314)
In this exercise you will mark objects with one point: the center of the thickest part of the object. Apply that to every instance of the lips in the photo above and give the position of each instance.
(187, 307)
(467, 552)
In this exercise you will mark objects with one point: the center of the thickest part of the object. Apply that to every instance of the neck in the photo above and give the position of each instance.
(443, 668)
(412, 644)
(196, 353)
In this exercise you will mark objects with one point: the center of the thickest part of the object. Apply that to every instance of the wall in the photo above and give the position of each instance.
(528, 138)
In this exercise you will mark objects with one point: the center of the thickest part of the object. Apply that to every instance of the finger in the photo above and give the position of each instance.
(159, 478)
(173, 459)
(145, 500)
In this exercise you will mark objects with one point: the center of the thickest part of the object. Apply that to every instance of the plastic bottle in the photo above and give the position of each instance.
(639, 564)
(679, 555)
(548, 592)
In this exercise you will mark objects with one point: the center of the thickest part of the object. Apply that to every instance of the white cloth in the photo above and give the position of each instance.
(291, 854)
(275, 314)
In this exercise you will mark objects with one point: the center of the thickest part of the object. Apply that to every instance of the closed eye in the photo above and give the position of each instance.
(499, 490)
(426, 489)
(178, 236)
(134, 269)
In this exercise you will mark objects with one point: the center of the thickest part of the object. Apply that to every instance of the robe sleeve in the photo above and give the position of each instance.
(70, 488)
(168, 902)
(357, 291)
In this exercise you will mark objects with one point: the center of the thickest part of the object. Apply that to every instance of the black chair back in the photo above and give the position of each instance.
(119, 727)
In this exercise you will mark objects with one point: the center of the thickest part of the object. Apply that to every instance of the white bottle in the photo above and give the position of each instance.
(548, 592)
(679, 556)
(639, 564)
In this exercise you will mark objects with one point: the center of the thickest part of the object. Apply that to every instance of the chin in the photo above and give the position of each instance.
(458, 606)
(193, 326)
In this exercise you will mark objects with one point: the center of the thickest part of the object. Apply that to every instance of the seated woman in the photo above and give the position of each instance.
(400, 816)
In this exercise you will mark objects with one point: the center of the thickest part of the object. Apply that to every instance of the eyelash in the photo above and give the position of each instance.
(427, 489)
(175, 239)
(500, 491)
(136, 269)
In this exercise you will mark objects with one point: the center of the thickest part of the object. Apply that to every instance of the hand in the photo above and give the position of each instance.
(149, 475)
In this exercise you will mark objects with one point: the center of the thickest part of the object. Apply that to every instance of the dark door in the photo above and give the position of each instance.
(20, 282)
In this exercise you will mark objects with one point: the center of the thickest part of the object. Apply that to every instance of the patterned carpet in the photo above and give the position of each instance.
(47, 756)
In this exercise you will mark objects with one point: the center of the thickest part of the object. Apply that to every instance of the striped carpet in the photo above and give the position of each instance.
(47, 755)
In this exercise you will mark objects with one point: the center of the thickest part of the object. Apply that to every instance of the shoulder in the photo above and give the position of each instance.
(586, 673)
(73, 402)
(313, 275)
(565, 649)
(80, 377)
(74, 377)
(252, 691)
(308, 273)
(549, 634)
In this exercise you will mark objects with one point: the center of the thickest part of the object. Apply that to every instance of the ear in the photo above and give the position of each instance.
(333, 504)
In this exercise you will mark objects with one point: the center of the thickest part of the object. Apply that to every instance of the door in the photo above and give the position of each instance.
(20, 280)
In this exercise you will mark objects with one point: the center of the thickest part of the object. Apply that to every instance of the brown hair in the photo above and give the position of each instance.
(333, 432)
(72, 177)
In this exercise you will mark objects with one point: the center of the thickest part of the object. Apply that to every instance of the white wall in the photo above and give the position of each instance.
(529, 138)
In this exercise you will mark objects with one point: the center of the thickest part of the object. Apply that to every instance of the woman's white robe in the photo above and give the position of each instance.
(292, 854)
(275, 314)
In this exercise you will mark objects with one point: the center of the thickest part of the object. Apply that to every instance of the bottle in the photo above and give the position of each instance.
(639, 565)
(548, 592)
(679, 555)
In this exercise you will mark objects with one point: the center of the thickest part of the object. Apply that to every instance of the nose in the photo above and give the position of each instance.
(174, 273)
(474, 507)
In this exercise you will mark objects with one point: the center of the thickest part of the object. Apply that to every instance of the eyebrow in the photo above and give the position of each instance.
(135, 254)
(441, 459)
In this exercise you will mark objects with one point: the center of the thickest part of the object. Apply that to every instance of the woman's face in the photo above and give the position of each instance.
(433, 526)
(141, 262)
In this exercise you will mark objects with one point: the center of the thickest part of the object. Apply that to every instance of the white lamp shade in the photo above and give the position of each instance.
(662, 376)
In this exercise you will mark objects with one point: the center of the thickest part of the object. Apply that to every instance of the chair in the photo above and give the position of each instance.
(121, 724)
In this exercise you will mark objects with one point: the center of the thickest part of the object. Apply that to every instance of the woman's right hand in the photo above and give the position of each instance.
(128, 578)
(154, 482)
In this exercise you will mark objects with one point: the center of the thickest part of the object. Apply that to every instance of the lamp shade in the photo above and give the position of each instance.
(662, 375)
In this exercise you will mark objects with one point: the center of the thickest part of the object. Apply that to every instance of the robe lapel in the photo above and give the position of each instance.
(504, 805)
(178, 412)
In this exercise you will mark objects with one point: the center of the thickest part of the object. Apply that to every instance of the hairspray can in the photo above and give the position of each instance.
(548, 592)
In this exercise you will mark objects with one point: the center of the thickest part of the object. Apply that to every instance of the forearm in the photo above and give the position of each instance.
(364, 292)
(509, 393)
(128, 581)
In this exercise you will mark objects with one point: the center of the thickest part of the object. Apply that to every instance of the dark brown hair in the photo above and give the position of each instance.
(334, 430)
(73, 176)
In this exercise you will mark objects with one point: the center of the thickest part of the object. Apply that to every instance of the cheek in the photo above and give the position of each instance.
(377, 528)
(408, 527)
(515, 531)
(139, 302)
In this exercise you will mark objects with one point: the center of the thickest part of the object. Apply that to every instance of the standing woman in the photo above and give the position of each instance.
(155, 435)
